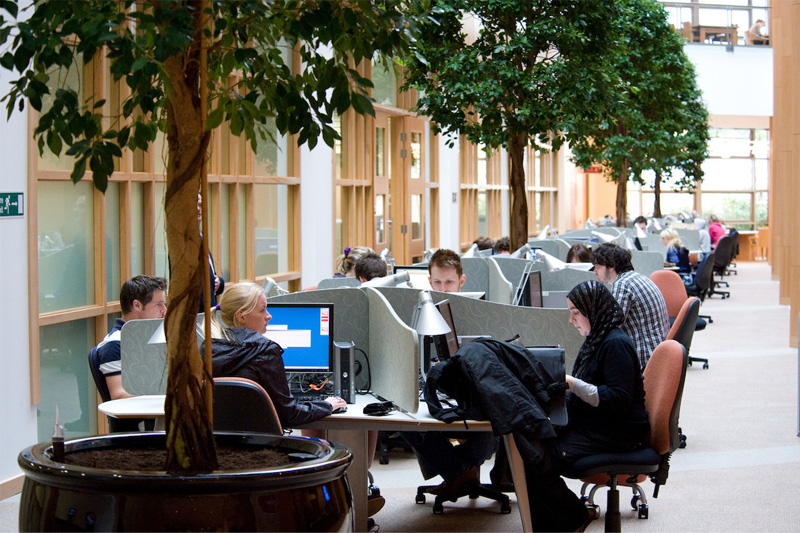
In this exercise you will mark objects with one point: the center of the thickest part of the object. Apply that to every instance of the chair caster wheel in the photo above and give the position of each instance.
(384, 460)
(644, 512)
(505, 508)
(438, 508)
(634, 502)
(420, 498)
(705, 366)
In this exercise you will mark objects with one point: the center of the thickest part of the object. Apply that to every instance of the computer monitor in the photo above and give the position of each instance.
(532, 293)
(418, 274)
(305, 332)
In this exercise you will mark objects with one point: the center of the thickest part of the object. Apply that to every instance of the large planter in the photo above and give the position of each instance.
(312, 495)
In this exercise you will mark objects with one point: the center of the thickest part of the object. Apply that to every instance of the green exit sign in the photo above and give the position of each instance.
(11, 204)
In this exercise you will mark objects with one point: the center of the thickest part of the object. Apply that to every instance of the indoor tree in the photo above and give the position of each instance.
(532, 68)
(178, 62)
(659, 121)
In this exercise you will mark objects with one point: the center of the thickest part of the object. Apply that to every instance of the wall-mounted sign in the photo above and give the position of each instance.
(12, 204)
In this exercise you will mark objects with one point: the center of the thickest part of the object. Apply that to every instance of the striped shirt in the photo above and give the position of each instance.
(646, 319)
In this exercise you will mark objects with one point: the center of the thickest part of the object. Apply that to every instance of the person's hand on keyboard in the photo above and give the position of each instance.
(337, 404)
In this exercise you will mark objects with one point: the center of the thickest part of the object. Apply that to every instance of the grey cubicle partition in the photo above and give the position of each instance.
(500, 289)
(144, 366)
(645, 263)
(652, 243)
(512, 268)
(393, 354)
(565, 279)
(338, 283)
(550, 246)
(690, 238)
(477, 272)
(535, 326)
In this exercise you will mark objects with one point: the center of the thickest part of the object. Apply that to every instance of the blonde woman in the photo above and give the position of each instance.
(677, 255)
(239, 348)
(346, 263)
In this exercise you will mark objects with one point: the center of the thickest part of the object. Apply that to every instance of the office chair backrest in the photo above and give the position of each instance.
(723, 253)
(705, 275)
(672, 288)
(664, 377)
(98, 376)
(683, 328)
(241, 404)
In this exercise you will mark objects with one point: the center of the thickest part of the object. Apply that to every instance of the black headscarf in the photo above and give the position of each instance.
(594, 301)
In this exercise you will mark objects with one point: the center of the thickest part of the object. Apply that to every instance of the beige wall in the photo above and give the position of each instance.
(601, 196)
(785, 193)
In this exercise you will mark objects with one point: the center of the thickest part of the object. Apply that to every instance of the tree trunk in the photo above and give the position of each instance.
(622, 196)
(657, 194)
(190, 439)
(518, 222)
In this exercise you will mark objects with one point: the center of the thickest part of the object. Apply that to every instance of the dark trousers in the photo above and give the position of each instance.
(450, 461)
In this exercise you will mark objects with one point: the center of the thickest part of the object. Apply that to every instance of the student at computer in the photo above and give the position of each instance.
(140, 298)
(605, 403)
(370, 266)
(579, 253)
(240, 349)
(458, 465)
(677, 255)
(346, 263)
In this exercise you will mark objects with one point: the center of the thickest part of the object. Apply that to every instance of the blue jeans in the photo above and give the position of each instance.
(447, 460)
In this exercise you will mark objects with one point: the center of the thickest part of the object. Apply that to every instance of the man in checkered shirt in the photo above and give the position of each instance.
(646, 319)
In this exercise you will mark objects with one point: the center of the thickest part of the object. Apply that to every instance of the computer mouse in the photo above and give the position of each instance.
(339, 410)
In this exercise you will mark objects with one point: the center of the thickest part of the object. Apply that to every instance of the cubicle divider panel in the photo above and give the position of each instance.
(403, 300)
(690, 238)
(477, 271)
(548, 246)
(565, 279)
(144, 366)
(513, 268)
(393, 354)
(501, 290)
(535, 326)
(652, 243)
(338, 283)
(645, 263)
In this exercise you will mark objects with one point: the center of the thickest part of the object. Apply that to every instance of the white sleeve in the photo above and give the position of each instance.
(586, 392)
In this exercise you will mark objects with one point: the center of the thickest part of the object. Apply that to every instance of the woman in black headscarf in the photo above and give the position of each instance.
(605, 403)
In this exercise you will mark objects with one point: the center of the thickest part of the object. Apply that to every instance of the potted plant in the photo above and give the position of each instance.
(176, 60)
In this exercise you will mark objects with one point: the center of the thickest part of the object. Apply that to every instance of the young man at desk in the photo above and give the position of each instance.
(140, 297)
(458, 465)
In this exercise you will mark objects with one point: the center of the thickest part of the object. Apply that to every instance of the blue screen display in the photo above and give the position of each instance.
(305, 332)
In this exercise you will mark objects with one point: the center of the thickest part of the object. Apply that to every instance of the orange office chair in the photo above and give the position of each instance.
(672, 288)
(685, 325)
(664, 377)
(241, 404)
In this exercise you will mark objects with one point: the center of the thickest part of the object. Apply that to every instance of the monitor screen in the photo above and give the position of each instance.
(451, 338)
(418, 274)
(305, 332)
(532, 294)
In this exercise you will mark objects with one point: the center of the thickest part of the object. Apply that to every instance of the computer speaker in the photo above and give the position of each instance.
(344, 371)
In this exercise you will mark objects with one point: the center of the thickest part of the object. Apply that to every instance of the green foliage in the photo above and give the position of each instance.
(250, 41)
(533, 68)
(659, 121)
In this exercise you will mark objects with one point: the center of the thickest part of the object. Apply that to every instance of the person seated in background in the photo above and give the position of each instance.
(484, 242)
(677, 255)
(346, 263)
(240, 349)
(757, 34)
(445, 271)
(705, 239)
(458, 464)
(370, 266)
(502, 246)
(640, 222)
(644, 311)
(715, 229)
(579, 253)
(605, 403)
(141, 297)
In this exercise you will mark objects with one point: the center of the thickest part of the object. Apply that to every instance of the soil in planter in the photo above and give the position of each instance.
(154, 458)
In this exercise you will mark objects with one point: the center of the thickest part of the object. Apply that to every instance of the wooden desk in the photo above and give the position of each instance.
(728, 34)
(350, 429)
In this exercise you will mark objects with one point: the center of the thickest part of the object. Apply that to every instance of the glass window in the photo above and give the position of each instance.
(380, 169)
(380, 217)
(137, 228)
(242, 192)
(71, 78)
(762, 209)
(337, 148)
(671, 202)
(270, 158)
(339, 229)
(482, 170)
(384, 81)
(65, 379)
(761, 167)
(66, 245)
(162, 258)
(727, 174)
(416, 216)
(416, 155)
(113, 281)
(223, 262)
(271, 224)
(483, 227)
(728, 207)
(729, 143)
